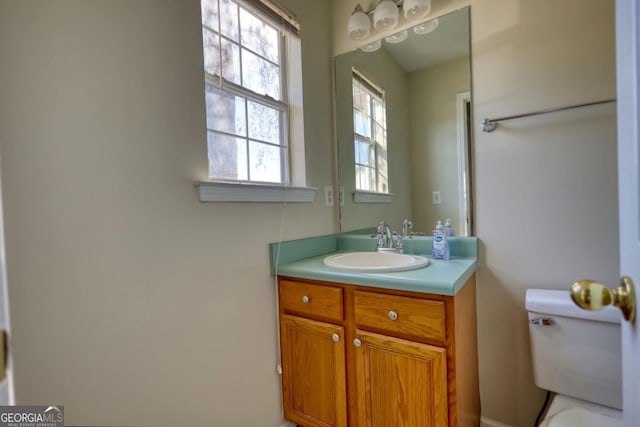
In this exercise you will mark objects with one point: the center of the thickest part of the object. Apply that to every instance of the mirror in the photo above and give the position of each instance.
(414, 159)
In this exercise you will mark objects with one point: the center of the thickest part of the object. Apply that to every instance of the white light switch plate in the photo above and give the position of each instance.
(437, 198)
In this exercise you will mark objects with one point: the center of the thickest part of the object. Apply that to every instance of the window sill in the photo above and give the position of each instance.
(370, 197)
(212, 191)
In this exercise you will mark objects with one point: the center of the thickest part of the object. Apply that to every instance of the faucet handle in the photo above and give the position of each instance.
(380, 235)
(407, 225)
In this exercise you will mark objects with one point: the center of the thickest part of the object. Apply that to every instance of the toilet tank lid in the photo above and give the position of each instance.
(559, 303)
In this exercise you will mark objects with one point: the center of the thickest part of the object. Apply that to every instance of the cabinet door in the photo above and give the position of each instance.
(313, 372)
(400, 383)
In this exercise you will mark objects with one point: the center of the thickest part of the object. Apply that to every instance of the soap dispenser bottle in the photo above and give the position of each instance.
(448, 228)
(440, 249)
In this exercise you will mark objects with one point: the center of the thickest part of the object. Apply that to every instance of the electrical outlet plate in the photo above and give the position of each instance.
(328, 196)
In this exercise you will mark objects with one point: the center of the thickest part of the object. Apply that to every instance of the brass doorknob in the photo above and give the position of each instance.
(591, 295)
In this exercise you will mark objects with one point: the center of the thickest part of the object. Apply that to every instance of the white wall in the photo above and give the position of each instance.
(546, 198)
(133, 303)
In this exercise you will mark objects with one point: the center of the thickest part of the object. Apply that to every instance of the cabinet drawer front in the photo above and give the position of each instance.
(412, 317)
(312, 300)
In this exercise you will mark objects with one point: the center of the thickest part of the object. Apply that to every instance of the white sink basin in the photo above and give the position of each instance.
(375, 262)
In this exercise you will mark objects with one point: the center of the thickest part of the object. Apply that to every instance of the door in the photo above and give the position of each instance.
(628, 75)
(400, 383)
(313, 372)
(6, 372)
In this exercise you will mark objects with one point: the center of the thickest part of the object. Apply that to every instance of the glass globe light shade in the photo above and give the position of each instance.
(427, 27)
(359, 26)
(386, 15)
(371, 47)
(414, 9)
(397, 38)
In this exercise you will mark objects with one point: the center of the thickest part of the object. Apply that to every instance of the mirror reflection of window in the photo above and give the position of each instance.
(370, 135)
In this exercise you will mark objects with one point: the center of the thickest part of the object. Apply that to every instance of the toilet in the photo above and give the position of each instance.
(577, 355)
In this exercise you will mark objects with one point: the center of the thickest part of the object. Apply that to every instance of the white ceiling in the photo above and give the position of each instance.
(448, 42)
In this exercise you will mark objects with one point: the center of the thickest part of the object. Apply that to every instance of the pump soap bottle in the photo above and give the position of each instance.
(440, 249)
(448, 228)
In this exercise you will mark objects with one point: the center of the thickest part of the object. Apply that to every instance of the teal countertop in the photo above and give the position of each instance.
(303, 259)
(443, 277)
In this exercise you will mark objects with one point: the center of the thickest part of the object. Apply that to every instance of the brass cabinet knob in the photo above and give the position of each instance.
(591, 295)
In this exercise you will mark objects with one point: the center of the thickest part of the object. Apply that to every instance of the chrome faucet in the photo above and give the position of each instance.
(407, 225)
(385, 237)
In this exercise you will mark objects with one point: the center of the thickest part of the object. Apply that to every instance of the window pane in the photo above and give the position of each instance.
(264, 123)
(227, 157)
(361, 124)
(265, 161)
(361, 98)
(259, 75)
(365, 178)
(225, 111)
(211, 52)
(379, 112)
(382, 164)
(231, 61)
(383, 185)
(382, 171)
(258, 36)
(210, 13)
(229, 19)
(380, 135)
(365, 154)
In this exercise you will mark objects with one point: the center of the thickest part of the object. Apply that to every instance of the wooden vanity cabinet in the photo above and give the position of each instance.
(370, 357)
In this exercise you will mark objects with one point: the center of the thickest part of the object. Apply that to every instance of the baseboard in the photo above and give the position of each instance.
(488, 422)
(287, 424)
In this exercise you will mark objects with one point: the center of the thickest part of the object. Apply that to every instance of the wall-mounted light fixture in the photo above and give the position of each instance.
(359, 26)
(415, 9)
(385, 16)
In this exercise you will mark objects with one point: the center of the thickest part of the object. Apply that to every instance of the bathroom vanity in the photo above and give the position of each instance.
(370, 350)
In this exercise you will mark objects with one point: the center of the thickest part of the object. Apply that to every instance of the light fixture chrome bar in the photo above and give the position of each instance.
(489, 125)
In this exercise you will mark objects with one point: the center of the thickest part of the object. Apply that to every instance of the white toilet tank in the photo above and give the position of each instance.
(579, 353)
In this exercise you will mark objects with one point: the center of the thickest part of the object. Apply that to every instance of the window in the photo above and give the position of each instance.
(370, 135)
(250, 47)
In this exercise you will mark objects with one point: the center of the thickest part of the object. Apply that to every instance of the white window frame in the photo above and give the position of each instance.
(293, 172)
(366, 195)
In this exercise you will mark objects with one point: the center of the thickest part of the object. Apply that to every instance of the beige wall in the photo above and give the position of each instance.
(132, 303)
(546, 189)
(546, 198)
(383, 69)
(434, 149)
